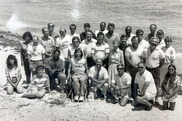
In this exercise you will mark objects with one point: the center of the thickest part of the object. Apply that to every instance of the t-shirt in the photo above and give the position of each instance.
(48, 44)
(88, 46)
(14, 72)
(169, 54)
(122, 81)
(146, 77)
(102, 74)
(35, 52)
(40, 83)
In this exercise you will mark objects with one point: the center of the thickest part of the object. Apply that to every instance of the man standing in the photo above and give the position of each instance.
(99, 79)
(160, 35)
(86, 28)
(129, 35)
(144, 81)
(142, 44)
(101, 50)
(111, 36)
(102, 28)
(55, 69)
(51, 31)
(153, 29)
(48, 42)
(154, 59)
(73, 31)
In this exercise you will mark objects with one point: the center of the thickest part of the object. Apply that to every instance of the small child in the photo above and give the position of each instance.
(38, 85)
(14, 75)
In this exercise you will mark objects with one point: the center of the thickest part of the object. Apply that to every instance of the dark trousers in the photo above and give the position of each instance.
(27, 70)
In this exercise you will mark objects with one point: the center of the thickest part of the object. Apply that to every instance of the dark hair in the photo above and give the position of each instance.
(134, 37)
(49, 24)
(173, 76)
(56, 50)
(27, 34)
(160, 32)
(43, 29)
(39, 66)
(123, 36)
(103, 23)
(9, 65)
(76, 50)
(73, 25)
(86, 25)
(75, 37)
(111, 24)
(168, 39)
(139, 31)
(153, 25)
(120, 65)
(100, 33)
(128, 27)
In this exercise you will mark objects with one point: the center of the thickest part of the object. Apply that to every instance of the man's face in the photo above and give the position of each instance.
(134, 42)
(99, 63)
(46, 32)
(141, 68)
(111, 29)
(154, 42)
(168, 43)
(89, 36)
(35, 41)
(51, 28)
(100, 38)
(62, 33)
(72, 29)
(123, 41)
(40, 71)
(128, 31)
(56, 55)
(160, 36)
(139, 35)
(75, 43)
(153, 28)
(120, 70)
(102, 26)
(86, 29)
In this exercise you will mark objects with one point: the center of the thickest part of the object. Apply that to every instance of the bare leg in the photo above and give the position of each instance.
(124, 101)
(19, 88)
(10, 89)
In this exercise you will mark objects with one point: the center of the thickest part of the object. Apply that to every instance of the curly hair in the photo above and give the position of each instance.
(9, 65)
(27, 34)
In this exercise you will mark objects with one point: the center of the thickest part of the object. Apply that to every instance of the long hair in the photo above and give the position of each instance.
(9, 65)
(77, 50)
(172, 77)
(27, 34)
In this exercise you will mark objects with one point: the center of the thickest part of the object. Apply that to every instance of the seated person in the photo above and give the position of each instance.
(170, 87)
(121, 86)
(144, 81)
(55, 69)
(14, 75)
(99, 79)
(38, 85)
(78, 69)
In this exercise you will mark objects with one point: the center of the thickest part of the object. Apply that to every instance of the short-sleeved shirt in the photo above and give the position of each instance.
(105, 31)
(109, 41)
(78, 66)
(14, 72)
(83, 35)
(116, 57)
(100, 50)
(169, 54)
(133, 55)
(153, 58)
(143, 44)
(124, 80)
(128, 41)
(35, 52)
(103, 74)
(146, 77)
(63, 43)
(40, 83)
(48, 44)
(88, 46)
(161, 44)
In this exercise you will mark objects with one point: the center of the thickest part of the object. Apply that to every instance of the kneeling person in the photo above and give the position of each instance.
(144, 81)
(99, 78)
(121, 86)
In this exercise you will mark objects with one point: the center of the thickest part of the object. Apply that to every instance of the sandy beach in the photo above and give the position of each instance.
(15, 108)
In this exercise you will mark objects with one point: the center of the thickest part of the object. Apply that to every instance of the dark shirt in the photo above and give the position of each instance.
(53, 67)
(83, 36)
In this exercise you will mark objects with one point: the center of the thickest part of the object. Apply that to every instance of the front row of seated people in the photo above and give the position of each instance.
(144, 86)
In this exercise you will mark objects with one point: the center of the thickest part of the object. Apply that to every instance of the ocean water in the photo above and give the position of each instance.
(31, 15)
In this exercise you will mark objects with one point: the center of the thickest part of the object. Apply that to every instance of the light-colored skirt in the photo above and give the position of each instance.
(112, 70)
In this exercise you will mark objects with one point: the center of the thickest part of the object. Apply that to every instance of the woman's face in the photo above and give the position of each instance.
(78, 54)
(12, 61)
(168, 43)
(27, 38)
(76, 43)
(171, 70)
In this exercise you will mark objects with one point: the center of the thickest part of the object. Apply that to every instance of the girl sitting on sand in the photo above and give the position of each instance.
(170, 87)
(38, 85)
(14, 75)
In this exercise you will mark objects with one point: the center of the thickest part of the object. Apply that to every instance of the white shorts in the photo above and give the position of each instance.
(170, 99)
(149, 96)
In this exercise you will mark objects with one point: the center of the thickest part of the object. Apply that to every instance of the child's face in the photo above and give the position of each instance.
(168, 43)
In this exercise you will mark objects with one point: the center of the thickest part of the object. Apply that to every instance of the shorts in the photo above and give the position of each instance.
(149, 96)
(170, 100)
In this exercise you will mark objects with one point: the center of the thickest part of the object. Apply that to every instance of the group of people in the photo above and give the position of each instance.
(95, 64)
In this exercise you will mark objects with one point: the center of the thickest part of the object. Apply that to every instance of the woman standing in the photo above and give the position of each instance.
(27, 37)
(170, 87)
(14, 75)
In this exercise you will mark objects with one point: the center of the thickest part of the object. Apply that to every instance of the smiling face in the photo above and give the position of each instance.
(102, 26)
(40, 71)
(171, 70)
(120, 70)
(141, 68)
(89, 36)
(45, 31)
